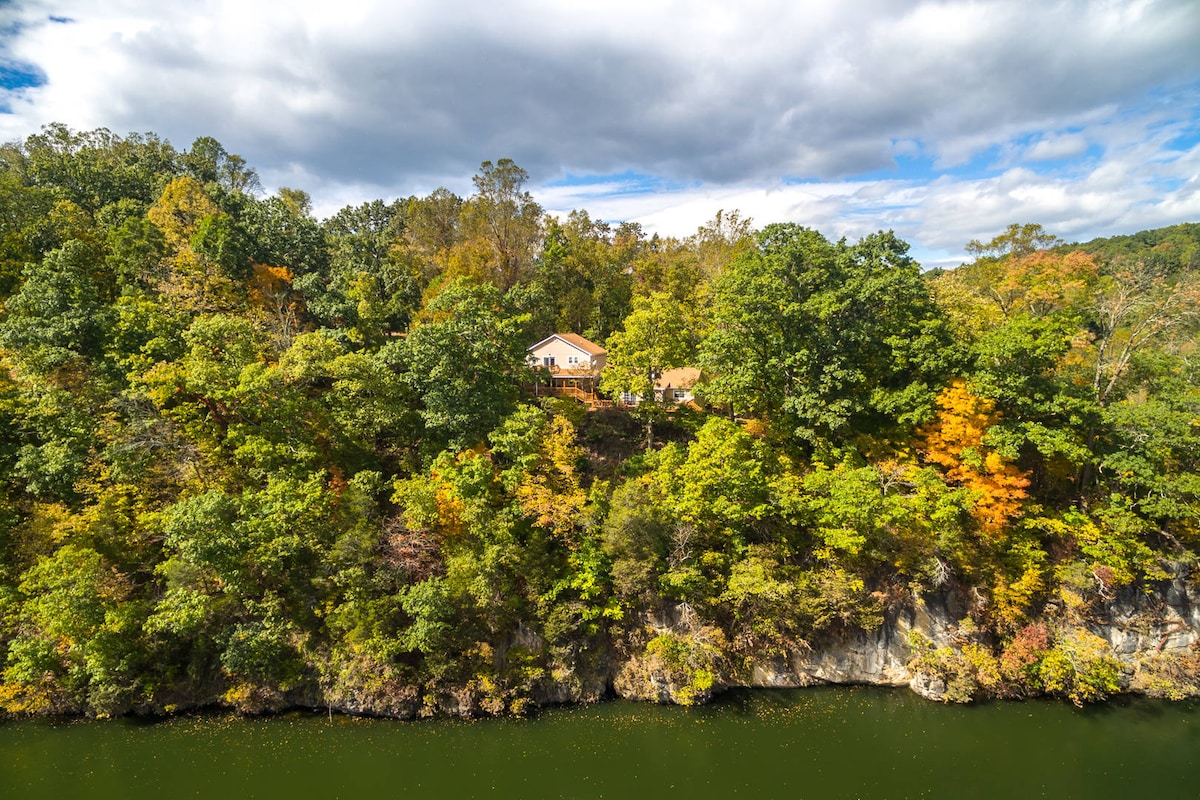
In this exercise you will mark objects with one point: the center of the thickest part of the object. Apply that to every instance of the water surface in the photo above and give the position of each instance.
(819, 743)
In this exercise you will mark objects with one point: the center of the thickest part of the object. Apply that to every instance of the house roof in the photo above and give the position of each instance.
(576, 341)
(678, 378)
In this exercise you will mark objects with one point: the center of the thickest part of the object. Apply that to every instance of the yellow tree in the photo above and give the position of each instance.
(1042, 282)
(1019, 272)
(550, 493)
(199, 238)
(273, 296)
(955, 442)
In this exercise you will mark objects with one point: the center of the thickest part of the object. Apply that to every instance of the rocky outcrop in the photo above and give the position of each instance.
(1154, 633)
(687, 669)
(879, 657)
(1138, 624)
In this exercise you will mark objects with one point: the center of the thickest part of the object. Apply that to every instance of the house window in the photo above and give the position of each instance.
(680, 394)
(629, 398)
(547, 361)
(572, 360)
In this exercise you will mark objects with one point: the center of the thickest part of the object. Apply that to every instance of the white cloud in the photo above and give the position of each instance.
(1053, 148)
(730, 101)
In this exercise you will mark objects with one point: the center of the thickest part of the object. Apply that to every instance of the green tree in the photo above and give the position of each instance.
(827, 341)
(208, 162)
(57, 662)
(506, 218)
(59, 319)
(1017, 240)
(23, 239)
(466, 363)
(95, 168)
(656, 337)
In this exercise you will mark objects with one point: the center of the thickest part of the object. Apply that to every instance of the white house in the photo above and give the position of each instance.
(570, 364)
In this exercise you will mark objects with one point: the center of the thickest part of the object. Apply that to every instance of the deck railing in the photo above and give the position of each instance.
(588, 398)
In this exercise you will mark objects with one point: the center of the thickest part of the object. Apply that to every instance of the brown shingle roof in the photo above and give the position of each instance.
(591, 348)
(678, 378)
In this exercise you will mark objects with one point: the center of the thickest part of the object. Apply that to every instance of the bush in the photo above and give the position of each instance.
(689, 662)
(968, 674)
(1081, 668)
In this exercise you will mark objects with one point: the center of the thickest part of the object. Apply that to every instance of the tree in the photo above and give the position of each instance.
(635, 536)
(59, 318)
(582, 281)
(1017, 240)
(375, 277)
(1020, 265)
(23, 210)
(208, 162)
(282, 233)
(957, 441)
(1042, 282)
(507, 218)
(467, 363)
(721, 240)
(207, 255)
(545, 474)
(434, 221)
(826, 341)
(656, 338)
(95, 168)
(361, 236)
(205, 389)
(368, 399)
(1135, 308)
(69, 600)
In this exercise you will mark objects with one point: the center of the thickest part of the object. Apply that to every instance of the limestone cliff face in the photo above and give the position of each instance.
(879, 657)
(1153, 634)
(1139, 626)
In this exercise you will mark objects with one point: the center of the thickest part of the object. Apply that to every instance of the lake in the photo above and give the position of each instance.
(828, 742)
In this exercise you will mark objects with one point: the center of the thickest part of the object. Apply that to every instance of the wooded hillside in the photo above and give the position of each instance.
(254, 458)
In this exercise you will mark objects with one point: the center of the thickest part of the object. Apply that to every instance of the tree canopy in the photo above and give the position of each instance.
(254, 458)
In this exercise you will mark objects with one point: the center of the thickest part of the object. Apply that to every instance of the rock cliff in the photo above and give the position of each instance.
(1154, 634)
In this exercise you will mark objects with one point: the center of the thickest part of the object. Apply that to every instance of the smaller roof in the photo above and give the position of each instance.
(576, 341)
(678, 378)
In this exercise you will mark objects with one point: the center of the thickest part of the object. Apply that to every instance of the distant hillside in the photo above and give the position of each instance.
(1175, 247)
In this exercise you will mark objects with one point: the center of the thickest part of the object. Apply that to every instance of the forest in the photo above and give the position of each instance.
(254, 459)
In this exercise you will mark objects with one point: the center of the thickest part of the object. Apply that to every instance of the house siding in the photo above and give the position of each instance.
(562, 352)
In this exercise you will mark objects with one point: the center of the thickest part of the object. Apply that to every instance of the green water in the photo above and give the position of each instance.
(818, 743)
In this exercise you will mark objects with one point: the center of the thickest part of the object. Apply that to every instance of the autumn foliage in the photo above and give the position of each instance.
(252, 458)
(955, 442)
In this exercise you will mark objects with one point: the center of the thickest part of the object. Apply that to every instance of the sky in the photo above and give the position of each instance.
(943, 121)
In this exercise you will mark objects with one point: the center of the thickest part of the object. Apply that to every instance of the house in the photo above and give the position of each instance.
(672, 387)
(568, 366)
(677, 385)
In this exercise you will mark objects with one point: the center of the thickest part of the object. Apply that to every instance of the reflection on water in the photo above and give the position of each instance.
(826, 743)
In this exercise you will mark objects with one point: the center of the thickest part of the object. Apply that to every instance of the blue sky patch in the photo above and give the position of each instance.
(1187, 138)
(20, 76)
(629, 183)
(904, 168)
